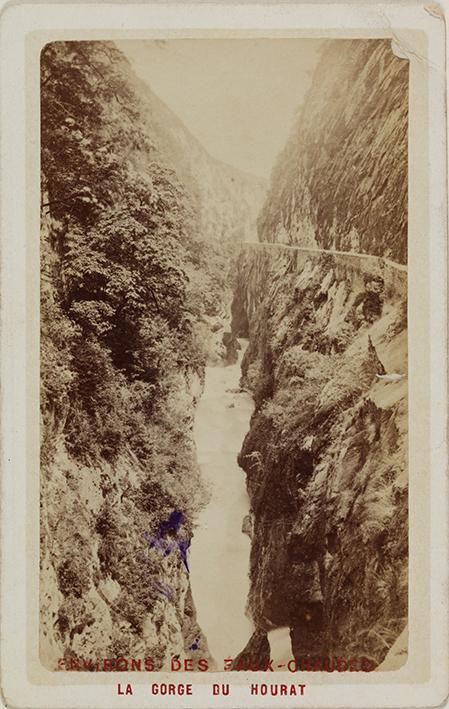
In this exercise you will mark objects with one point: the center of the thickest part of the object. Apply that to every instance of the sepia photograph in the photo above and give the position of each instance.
(223, 357)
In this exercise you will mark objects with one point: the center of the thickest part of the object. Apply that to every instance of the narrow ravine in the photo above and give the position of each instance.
(219, 554)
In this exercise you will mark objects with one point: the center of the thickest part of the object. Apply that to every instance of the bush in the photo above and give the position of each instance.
(130, 283)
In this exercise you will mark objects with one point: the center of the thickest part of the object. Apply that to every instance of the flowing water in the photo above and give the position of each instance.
(219, 554)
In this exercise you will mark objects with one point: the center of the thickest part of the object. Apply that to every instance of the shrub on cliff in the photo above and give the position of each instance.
(128, 284)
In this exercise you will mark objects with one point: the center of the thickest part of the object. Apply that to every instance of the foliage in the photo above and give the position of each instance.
(129, 280)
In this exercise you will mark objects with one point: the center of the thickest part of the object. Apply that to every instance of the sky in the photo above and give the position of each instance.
(239, 97)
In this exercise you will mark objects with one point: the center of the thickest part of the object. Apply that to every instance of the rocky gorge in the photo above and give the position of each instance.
(139, 226)
(326, 454)
(146, 240)
(325, 457)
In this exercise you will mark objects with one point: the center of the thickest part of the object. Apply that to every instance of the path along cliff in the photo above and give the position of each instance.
(325, 456)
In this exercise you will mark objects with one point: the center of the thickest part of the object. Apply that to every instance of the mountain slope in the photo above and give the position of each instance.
(341, 181)
(326, 454)
(132, 276)
(228, 200)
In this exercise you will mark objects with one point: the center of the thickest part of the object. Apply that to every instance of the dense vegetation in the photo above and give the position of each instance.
(131, 291)
(130, 281)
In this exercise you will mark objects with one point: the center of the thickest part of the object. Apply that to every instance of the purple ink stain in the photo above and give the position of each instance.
(196, 644)
(172, 524)
(183, 545)
(169, 526)
(162, 588)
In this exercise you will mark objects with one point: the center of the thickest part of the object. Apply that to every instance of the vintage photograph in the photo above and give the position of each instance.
(223, 356)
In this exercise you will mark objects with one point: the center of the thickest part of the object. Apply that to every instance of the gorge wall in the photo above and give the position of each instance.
(134, 286)
(341, 180)
(326, 454)
(227, 200)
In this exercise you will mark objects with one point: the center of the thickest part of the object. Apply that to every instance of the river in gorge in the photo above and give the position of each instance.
(219, 553)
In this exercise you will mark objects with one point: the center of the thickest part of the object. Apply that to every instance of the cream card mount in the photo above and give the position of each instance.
(224, 355)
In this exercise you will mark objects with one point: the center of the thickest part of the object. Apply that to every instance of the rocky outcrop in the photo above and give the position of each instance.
(340, 181)
(105, 592)
(325, 457)
(326, 454)
(255, 655)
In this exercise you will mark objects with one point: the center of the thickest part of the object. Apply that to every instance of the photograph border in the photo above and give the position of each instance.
(25, 29)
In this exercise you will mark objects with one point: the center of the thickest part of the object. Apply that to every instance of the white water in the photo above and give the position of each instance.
(280, 648)
(219, 553)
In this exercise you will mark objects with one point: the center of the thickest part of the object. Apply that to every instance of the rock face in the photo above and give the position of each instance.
(134, 284)
(104, 592)
(339, 184)
(326, 454)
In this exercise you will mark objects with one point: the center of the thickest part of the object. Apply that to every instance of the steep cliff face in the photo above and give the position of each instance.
(227, 200)
(133, 283)
(326, 454)
(111, 587)
(339, 183)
